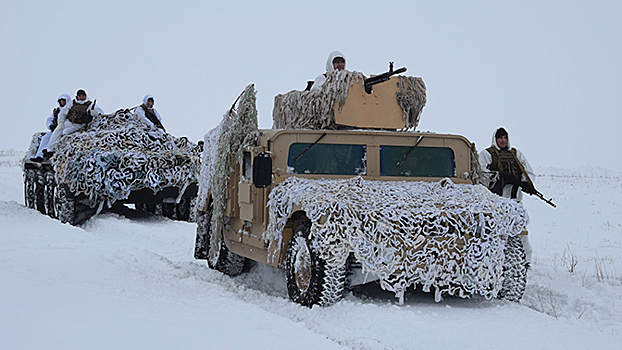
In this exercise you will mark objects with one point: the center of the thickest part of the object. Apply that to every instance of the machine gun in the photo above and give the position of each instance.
(370, 82)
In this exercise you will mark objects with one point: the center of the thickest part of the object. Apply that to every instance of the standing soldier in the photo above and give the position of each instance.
(73, 117)
(511, 172)
(336, 61)
(51, 124)
(147, 112)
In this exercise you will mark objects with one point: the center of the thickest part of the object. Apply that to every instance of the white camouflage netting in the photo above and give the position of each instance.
(314, 109)
(223, 146)
(120, 153)
(434, 234)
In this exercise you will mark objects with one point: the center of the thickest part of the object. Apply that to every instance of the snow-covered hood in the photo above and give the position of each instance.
(394, 227)
(493, 143)
(147, 97)
(331, 57)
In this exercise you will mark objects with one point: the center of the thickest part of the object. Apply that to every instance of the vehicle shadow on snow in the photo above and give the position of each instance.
(271, 281)
(373, 293)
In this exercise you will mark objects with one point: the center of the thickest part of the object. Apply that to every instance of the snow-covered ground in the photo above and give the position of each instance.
(119, 283)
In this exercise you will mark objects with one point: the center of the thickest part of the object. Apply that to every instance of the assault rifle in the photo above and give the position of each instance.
(529, 187)
(541, 196)
(370, 82)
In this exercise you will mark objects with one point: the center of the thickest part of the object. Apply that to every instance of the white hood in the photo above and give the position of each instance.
(65, 97)
(331, 57)
(87, 99)
(493, 143)
(147, 97)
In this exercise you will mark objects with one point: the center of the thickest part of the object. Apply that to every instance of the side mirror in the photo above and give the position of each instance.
(262, 170)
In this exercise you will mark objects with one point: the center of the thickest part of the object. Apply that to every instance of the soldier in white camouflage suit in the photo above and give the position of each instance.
(511, 172)
(336, 61)
(51, 124)
(147, 112)
(75, 116)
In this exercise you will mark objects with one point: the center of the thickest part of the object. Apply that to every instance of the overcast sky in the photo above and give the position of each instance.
(549, 71)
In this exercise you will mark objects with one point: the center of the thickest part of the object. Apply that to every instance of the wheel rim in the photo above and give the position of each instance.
(302, 266)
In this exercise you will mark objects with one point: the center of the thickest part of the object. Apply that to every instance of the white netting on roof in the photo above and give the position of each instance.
(440, 234)
(314, 109)
(223, 146)
(120, 153)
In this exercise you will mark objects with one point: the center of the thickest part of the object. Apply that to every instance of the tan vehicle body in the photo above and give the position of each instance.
(246, 205)
(370, 137)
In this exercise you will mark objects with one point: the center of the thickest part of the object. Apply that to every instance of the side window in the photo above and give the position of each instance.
(246, 166)
(323, 158)
(417, 161)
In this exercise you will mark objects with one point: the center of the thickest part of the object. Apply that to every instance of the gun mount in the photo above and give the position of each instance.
(370, 82)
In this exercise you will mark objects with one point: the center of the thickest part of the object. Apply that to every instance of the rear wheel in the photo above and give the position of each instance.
(310, 281)
(65, 205)
(70, 210)
(227, 262)
(514, 271)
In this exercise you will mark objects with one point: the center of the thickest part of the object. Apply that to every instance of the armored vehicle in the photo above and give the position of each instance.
(353, 195)
(119, 159)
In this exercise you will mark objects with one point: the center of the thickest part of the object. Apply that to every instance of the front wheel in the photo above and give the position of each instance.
(514, 271)
(48, 198)
(30, 178)
(310, 281)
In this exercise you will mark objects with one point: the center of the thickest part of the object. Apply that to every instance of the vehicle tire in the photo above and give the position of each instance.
(40, 191)
(168, 210)
(30, 176)
(151, 208)
(310, 281)
(65, 205)
(228, 262)
(514, 271)
(182, 209)
(48, 198)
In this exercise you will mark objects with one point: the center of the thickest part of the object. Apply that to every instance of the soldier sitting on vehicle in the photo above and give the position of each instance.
(147, 112)
(73, 117)
(511, 172)
(51, 124)
(336, 61)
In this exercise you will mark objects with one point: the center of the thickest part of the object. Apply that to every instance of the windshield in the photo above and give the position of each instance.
(322, 158)
(421, 162)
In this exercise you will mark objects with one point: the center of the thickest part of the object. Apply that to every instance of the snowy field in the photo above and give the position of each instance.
(119, 283)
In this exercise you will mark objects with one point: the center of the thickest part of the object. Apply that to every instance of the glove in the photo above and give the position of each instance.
(527, 187)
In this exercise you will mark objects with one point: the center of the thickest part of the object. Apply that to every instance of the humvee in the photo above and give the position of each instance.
(117, 160)
(360, 203)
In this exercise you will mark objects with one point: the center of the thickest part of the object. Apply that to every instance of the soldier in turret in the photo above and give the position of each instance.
(510, 172)
(336, 61)
(148, 113)
(51, 124)
(75, 116)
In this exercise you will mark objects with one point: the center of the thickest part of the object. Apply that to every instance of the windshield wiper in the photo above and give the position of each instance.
(399, 164)
(309, 147)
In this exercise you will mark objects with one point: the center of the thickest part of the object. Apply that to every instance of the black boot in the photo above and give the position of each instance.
(47, 155)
